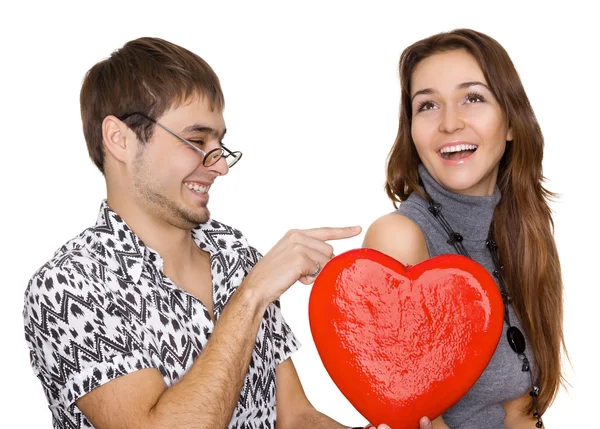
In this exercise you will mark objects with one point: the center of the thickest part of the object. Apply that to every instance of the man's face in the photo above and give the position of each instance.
(168, 176)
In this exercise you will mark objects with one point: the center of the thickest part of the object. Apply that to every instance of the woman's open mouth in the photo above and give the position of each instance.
(457, 152)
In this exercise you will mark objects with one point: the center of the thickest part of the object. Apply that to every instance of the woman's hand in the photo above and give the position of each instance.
(424, 423)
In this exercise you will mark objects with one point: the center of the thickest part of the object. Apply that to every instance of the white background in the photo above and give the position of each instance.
(312, 100)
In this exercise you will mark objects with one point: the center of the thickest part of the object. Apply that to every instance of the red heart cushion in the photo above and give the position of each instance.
(404, 342)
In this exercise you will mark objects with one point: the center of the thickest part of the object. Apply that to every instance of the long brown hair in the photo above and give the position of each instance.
(522, 223)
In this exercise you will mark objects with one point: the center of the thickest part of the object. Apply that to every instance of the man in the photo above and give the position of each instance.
(159, 316)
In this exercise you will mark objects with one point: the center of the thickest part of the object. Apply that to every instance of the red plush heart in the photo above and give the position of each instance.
(404, 342)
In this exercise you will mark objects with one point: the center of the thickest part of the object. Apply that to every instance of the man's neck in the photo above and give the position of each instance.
(175, 245)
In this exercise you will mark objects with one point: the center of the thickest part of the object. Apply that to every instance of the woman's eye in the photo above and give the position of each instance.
(425, 105)
(197, 142)
(474, 98)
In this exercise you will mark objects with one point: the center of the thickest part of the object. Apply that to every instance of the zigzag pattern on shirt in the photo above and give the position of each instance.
(182, 300)
(260, 347)
(93, 351)
(170, 350)
(252, 255)
(126, 259)
(107, 227)
(222, 236)
(257, 389)
(174, 300)
(230, 267)
(265, 388)
(126, 308)
(130, 251)
(67, 422)
(63, 315)
(261, 387)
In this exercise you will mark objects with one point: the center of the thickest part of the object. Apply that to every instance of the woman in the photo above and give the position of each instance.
(466, 167)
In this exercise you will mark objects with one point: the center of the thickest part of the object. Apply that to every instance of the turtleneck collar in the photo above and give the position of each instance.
(470, 216)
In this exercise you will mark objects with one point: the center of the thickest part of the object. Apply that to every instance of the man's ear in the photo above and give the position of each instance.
(114, 138)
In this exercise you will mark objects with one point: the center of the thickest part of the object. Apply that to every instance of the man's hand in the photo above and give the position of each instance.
(295, 257)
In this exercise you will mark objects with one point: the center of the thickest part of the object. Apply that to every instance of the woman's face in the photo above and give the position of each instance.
(458, 127)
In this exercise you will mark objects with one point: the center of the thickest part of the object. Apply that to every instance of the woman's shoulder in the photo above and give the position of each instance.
(398, 236)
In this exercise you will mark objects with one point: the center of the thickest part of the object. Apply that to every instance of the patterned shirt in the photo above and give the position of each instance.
(102, 307)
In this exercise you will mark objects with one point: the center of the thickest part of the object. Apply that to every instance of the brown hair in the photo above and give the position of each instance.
(522, 223)
(146, 75)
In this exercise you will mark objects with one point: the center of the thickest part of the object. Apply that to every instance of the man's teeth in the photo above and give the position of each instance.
(458, 148)
(198, 188)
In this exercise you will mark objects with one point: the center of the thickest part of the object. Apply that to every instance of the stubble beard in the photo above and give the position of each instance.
(157, 203)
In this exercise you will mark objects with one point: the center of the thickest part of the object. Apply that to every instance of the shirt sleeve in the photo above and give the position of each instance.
(77, 340)
(285, 342)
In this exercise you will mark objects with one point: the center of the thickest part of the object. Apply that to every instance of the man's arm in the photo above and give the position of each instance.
(293, 408)
(206, 396)
(294, 411)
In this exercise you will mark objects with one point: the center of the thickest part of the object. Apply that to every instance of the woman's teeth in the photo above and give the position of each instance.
(458, 148)
(201, 189)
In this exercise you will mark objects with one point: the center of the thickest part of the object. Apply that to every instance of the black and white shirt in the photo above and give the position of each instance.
(102, 307)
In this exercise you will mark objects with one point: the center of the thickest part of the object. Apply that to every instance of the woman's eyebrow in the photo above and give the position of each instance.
(472, 83)
(463, 85)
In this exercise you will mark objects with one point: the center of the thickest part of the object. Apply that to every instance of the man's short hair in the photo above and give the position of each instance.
(147, 75)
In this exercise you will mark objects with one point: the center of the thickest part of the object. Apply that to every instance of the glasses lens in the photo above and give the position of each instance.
(233, 158)
(212, 157)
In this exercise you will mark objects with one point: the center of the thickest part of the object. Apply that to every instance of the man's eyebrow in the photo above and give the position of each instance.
(463, 85)
(199, 128)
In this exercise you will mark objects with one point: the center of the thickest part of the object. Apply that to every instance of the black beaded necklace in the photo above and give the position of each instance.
(515, 337)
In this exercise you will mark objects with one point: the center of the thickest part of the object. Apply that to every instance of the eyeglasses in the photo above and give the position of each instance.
(210, 158)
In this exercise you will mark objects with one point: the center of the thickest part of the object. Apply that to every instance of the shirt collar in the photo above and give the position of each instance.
(123, 251)
(216, 237)
(117, 246)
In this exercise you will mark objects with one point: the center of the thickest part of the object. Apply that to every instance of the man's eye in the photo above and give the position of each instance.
(197, 142)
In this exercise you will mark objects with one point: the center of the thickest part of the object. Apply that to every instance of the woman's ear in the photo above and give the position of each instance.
(509, 135)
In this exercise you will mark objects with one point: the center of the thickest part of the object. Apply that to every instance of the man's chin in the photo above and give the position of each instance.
(203, 219)
(186, 217)
(199, 216)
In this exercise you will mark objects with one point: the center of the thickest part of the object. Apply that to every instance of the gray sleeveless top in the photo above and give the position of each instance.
(502, 380)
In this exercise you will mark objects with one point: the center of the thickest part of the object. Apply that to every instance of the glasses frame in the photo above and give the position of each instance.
(224, 151)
